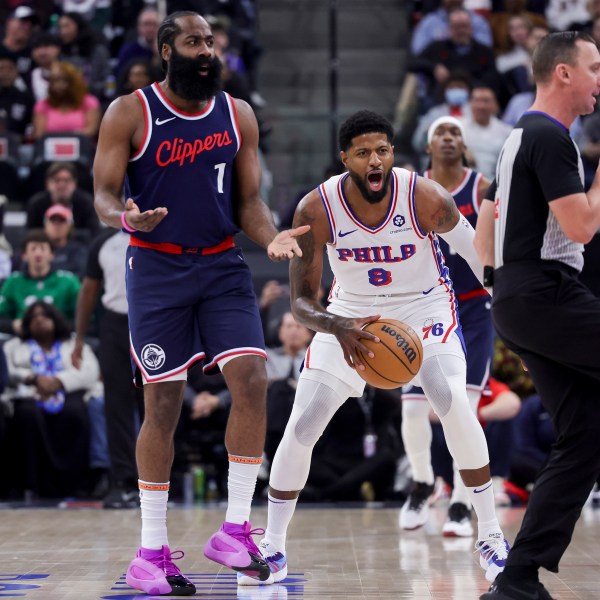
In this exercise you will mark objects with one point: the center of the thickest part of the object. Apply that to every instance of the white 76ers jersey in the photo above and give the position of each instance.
(395, 257)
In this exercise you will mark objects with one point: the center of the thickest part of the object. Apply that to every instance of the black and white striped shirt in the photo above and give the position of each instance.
(539, 162)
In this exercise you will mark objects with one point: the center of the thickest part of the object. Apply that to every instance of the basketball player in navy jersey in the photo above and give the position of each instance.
(446, 147)
(380, 228)
(187, 155)
(532, 227)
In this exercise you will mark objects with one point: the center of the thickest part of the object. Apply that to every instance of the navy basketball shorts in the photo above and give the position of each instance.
(189, 307)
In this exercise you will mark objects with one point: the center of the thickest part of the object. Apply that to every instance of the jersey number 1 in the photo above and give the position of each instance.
(220, 168)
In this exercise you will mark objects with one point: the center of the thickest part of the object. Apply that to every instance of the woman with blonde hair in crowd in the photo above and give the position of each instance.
(69, 108)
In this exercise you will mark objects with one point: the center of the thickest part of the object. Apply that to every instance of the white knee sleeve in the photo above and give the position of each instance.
(314, 406)
(416, 435)
(444, 382)
(474, 397)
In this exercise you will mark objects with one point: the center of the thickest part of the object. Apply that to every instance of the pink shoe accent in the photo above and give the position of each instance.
(233, 547)
(149, 570)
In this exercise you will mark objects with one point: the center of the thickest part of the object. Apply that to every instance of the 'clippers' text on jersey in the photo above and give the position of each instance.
(185, 163)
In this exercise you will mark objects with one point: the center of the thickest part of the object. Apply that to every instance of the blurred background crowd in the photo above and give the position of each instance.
(69, 413)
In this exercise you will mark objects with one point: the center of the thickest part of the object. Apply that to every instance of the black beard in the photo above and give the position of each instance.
(370, 196)
(187, 83)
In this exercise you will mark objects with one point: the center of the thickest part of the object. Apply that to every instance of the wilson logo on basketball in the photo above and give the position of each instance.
(180, 151)
(401, 342)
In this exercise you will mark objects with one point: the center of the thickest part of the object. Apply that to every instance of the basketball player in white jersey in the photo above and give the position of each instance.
(379, 225)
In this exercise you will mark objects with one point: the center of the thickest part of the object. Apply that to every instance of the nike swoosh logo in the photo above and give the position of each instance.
(345, 233)
(483, 490)
(163, 121)
(429, 290)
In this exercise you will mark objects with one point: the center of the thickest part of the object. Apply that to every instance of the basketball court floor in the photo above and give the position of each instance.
(334, 553)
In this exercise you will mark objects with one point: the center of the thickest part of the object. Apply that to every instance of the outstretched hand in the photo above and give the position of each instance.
(284, 244)
(143, 221)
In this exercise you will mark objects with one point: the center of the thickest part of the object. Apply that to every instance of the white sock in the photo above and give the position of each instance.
(153, 502)
(243, 471)
(280, 515)
(484, 504)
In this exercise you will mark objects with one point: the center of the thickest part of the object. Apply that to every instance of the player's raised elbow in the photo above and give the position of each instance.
(581, 233)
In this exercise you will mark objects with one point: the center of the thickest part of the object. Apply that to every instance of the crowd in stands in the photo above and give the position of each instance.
(61, 63)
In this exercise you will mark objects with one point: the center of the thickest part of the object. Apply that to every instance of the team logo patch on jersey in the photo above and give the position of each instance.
(153, 357)
(399, 220)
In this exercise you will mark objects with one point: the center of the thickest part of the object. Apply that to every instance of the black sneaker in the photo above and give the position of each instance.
(458, 523)
(122, 498)
(503, 590)
(415, 511)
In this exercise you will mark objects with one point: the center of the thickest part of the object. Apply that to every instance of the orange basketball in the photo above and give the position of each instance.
(398, 355)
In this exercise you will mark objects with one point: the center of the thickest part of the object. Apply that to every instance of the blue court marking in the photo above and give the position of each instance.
(222, 586)
(16, 590)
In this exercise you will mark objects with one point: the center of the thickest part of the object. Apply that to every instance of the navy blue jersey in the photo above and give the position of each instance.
(185, 163)
(466, 199)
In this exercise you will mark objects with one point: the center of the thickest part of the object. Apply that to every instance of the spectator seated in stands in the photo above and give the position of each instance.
(68, 107)
(144, 46)
(45, 51)
(136, 74)
(434, 27)
(20, 27)
(16, 105)
(82, 48)
(61, 188)
(69, 254)
(48, 438)
(500, 22)
(485, 133)
(460, 52)
(37, 279)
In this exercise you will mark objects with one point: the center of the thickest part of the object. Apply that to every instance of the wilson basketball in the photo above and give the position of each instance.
(398, 355)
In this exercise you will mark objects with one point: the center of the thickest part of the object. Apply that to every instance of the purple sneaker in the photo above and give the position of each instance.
(234, 547)
(153, 572)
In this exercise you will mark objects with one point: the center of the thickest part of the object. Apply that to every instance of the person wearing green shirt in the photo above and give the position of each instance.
(36, 281)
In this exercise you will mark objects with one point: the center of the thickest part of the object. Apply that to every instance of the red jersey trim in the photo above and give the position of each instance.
(169, 248)
(234, 119)
(155, 378)
(147, 126)
(329, 213)
(172, 108)
(412, 209)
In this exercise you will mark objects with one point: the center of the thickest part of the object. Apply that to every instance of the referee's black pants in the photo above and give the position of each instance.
(123, 403)
(552, 321)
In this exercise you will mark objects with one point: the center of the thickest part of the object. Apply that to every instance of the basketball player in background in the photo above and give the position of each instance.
(379, 226)
(446, 148)
(189, 153)
(531, 228)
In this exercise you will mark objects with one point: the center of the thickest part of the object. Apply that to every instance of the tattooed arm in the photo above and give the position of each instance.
(306, 271)
(437, 212)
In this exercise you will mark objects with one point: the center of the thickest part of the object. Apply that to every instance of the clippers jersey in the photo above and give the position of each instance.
(396, 257)
(185, 163)
(466, 199)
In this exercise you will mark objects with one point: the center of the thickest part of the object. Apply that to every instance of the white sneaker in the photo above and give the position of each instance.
(493, 552)
(415, 511)
(458, 523)
(277, 562)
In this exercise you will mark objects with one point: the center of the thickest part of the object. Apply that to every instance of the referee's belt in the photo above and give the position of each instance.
(169, 248)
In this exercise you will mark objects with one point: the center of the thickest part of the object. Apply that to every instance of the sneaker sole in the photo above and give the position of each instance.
(491, 571)
(455, 532)
(277, 577)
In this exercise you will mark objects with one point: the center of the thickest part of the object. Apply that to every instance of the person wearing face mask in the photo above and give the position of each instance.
(455, 104)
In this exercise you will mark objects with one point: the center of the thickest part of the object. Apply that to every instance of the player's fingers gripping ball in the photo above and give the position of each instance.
(398, 355)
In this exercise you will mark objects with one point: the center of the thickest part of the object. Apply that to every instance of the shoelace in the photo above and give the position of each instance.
(167, 565)
(246, 537)
(495, 546)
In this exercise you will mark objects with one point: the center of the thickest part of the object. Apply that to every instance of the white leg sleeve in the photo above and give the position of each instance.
(416, 435)
(443, 380)
(314, 406)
